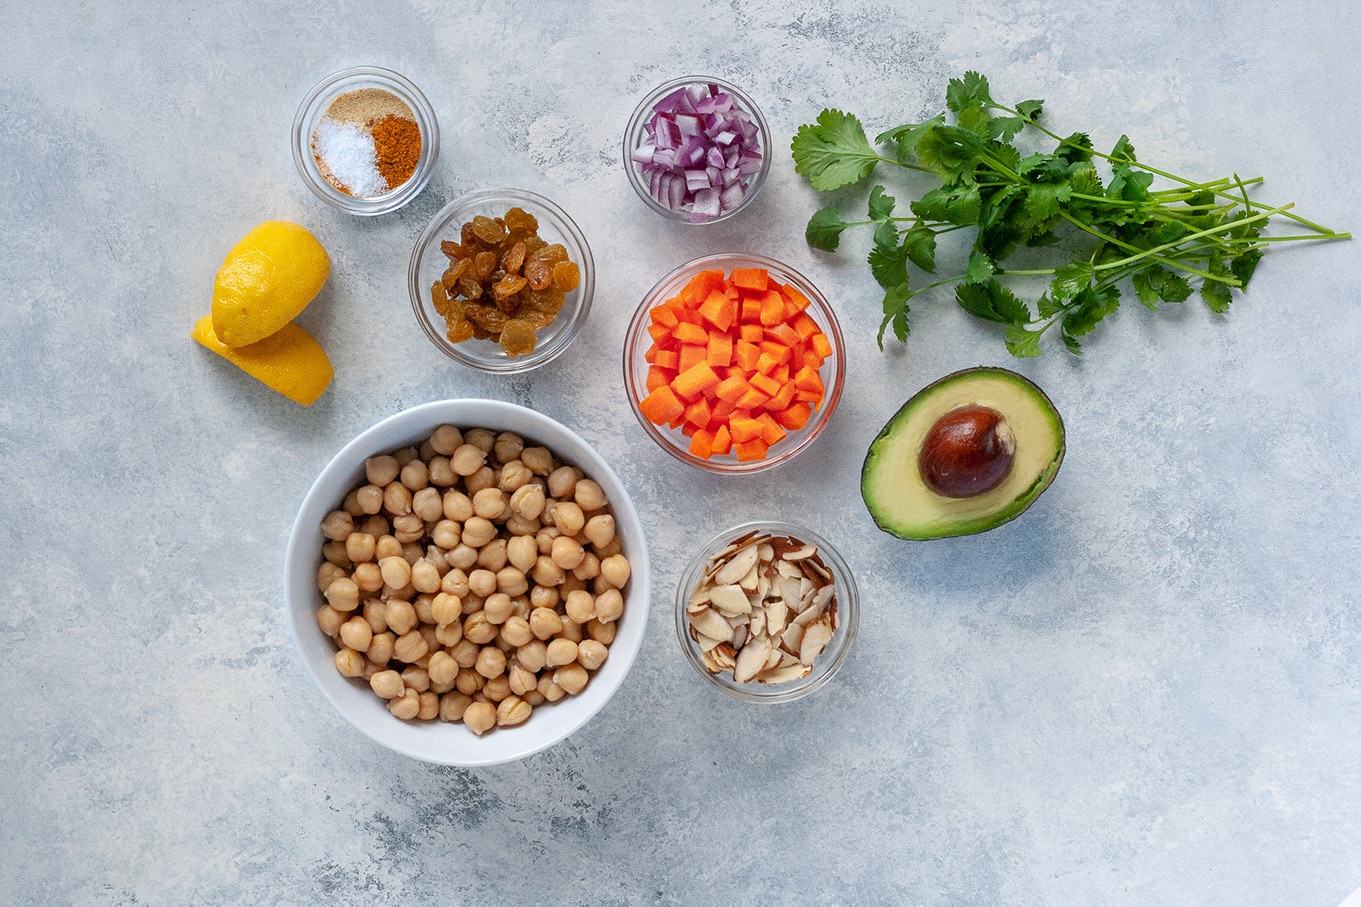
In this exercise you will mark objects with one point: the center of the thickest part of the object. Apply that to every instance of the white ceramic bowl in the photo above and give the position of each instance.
(437, 741)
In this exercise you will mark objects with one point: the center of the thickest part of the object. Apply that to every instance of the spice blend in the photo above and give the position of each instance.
(367, 142)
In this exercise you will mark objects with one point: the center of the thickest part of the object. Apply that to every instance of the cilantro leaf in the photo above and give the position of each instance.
(881, 205)
(1022, 342)
(1216, 296)
(1030, 110)
(834, 152)
(992, 302)
(1088, 308)
(895, 313)
(980, 267)
(1070, 280)
(888, 259)
(824, 229)
(920, 245)
(970, 91)
(959, 205)
(905, 138)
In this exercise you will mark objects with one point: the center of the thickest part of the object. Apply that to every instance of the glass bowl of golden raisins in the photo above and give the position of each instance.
(501, 280)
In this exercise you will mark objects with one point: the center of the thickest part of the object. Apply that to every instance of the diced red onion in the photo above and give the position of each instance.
(699, 152)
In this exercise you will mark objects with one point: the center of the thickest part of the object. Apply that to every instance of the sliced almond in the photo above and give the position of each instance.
(711, 623)
(815, 638)
(731, 599)
(750, 660)
(737, 567)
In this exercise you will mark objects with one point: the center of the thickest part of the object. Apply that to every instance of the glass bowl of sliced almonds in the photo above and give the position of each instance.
(501, 280)
(767, 611)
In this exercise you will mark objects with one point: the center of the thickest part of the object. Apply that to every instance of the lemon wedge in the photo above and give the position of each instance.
(289, 360)
(265, 281)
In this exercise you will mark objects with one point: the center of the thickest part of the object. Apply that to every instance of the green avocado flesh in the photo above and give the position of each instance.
(891, 483)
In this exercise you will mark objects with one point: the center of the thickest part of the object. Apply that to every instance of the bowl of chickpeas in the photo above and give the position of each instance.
(467, 582)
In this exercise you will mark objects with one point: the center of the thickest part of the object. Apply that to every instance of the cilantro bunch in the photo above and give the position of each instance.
(1164, 244)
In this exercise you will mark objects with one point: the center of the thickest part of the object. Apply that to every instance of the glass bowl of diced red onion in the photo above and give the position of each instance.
(697, 149)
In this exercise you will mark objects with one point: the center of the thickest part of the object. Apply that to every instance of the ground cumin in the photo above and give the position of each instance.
(397, 147)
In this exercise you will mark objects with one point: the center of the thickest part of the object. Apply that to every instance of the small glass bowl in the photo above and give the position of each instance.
(825, 665)
(635, 133)
(673, 440)
(428, 263)
(315, 105)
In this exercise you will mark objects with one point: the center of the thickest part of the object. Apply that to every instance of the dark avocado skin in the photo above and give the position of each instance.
(940, 523)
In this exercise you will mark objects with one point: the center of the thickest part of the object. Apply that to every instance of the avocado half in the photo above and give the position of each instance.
(891, 483)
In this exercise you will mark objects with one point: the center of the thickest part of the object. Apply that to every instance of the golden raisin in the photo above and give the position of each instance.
(519, 219)
(517, 337)
(539, 273)
(488, 230)
(438, 298)
(483, 264)
(508, 286)
(566, 276)
(514, 258)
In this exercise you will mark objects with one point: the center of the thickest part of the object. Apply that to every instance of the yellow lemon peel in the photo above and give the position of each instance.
(265, 281)
(289, 361)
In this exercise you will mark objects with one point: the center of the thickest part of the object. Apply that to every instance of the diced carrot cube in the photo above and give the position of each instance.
(691, 333)
(752, 333)
(664, 315)
(776, 350)
(765, 384)
(804, 325)
(750, 313)
(807, 379)
(781, 372)
(701, 285)
(719, 352)
(784, 334)
(723, 410)
(795, 417)
(796, 299)
(748, 451)
(659, 333)
(771, 432)
(699, 413)
(661, 406)
(690, 355)
(746, 355)
(702, 444)
(750, 278)
(772, 308)
(719, 310)
(743, 428)
(694, 381)
(752, 399)
(782, 398)
(667, 359)
(722, 442)
(766, 363)
(659, 377)
(731, 388)
(822, 345)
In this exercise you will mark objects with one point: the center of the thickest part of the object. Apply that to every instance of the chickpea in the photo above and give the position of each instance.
(561, 651)
(528, 501)
(589, 495)
(591, 654)
(401, 616)
(599, 530)
(533, 655)
(329, 620)
(406, 529)
(567, 516)
(359, 547)
(602, 633)
(387, 546)
(491, 662)
(538, 459)
(416, 678)
(351, 504)
(375, 612)
(549, 689)
(369, 498)
(465, 653)
(545, 623)
(492, 555)
(508, 446)
(467, 459)
(478, 531)
(521, 552)
(342, 594)
(334, 552)
(572, 678)
(435, 555)
(326, 573)
(445, 440)
(489, 502)
(449, 634)
(386, 684)
(562, 482)
(381, 470)
(368, 577)
(452, 706)
(572, 630)
(615, 570)
(521, 679)
(496, 689)
(425, 576)
(512, 711)
(350, 663)
(567, 552)
(547, 573)
(405, 455)
(429, 709)
(457, 506)
(518, 526)
(455, 582)
(396, 571)
(410, 646)
(482, 582)
(396, 498)
(610, 549)
(424, 606)
(405, 706)
(380, 649)
(609, 605)
(544, 597)
(477, 629)
(356, 633)
(580, 606)
(516, 631)
(469, 682)
(446, 608)
(498, 608)
(415, 475)
(375, 525)
(480, 438)
(483, 478)
(462, 557)
(479, 717)
(588, 569)
(428, 504)
(512, 581)
(337, 525)
(514, 476)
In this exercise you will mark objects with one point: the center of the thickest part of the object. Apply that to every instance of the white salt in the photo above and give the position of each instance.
(347, 152)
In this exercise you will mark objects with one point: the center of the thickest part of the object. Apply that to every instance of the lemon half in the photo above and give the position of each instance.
(290, 360)
(266, 280)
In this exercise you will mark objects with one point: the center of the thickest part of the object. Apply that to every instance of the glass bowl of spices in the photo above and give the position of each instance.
(501, 280)
(365, 140)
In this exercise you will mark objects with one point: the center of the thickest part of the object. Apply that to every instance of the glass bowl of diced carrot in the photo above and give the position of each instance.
(734, 363)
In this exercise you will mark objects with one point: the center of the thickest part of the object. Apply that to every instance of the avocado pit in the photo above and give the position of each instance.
(968, 451)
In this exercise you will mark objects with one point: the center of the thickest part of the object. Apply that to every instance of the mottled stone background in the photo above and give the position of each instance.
(1145, 691)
